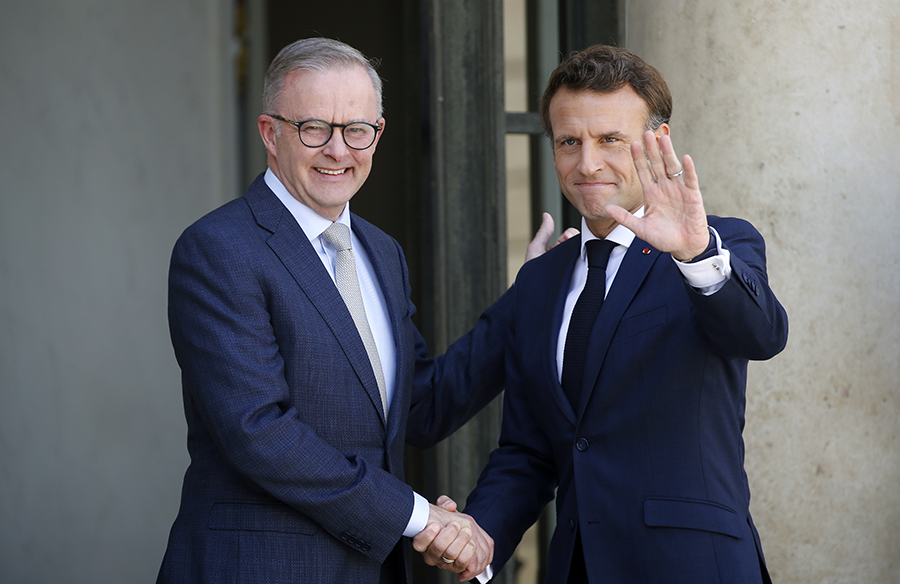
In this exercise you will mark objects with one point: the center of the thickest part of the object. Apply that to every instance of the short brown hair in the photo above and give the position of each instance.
(607, 69)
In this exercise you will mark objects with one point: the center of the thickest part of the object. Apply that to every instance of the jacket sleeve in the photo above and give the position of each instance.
(521, 475)
(448, 390)
(743, 319)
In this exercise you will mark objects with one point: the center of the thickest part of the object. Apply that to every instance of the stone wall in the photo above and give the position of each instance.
(791, 111)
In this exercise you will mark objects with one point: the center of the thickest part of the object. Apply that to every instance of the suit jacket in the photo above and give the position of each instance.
(294, 475)
(650, 468)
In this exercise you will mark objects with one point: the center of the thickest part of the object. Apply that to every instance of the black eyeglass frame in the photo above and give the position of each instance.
(375, 127)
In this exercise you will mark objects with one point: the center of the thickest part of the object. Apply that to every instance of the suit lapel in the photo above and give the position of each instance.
(384, 262)
(292, 246)
(636, 264)
(553, 284)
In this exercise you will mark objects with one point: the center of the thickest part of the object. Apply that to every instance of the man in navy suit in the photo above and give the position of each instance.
(643, 449)
(297, 417)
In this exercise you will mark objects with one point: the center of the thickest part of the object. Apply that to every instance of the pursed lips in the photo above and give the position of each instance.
(593, 184)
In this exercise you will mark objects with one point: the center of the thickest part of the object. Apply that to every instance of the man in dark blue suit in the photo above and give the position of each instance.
(303, 374)
(631, 417)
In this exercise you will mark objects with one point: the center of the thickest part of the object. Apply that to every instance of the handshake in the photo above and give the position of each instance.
(453, 541)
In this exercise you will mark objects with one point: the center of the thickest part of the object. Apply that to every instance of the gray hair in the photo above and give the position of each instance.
(315, 54)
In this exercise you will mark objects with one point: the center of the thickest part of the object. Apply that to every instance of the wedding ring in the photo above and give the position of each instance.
(676, 175)
(446, 561)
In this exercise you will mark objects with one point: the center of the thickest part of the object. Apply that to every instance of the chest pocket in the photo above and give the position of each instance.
(635, 325)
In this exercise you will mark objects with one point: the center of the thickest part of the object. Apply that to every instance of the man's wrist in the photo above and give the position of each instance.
(710, 251)
(418, 519)
(707, 274)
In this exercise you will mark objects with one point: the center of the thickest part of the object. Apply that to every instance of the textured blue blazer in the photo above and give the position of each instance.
(650, 468)
(294, 476)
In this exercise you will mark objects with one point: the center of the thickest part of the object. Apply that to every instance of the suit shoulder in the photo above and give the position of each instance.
(226, 213)
(231, 221)
(731, 225)
(258, 206)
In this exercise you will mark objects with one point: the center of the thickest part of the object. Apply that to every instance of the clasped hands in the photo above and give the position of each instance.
(453, 541)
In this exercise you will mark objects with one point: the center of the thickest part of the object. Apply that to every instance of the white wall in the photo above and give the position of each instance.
(116, 131)
(791, 110)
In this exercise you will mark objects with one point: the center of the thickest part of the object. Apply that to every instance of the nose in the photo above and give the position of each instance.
(336, 148)
(591, 160)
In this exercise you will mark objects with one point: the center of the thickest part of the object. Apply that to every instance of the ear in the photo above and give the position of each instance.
(378, 137)
(662, 130)
(266, 125)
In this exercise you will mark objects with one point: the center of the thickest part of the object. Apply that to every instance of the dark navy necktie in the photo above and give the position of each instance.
(583, 317)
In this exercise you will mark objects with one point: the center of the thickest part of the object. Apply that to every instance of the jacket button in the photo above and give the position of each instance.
(571, 525)
(582, 444)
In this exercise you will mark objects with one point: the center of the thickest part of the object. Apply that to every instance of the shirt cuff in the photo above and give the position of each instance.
(710, 274)
(419, 518)
(485, 576)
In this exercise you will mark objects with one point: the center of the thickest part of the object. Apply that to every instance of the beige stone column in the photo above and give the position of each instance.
(791, 111)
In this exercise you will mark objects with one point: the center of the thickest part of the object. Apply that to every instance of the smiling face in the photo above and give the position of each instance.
(592, 134)
(324, 178)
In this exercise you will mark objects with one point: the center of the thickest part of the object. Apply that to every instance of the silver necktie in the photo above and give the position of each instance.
(347, 282)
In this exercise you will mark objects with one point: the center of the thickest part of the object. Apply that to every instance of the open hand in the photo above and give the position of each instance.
(674, 218)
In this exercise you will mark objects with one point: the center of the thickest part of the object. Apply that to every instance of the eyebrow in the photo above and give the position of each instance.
(613, 134)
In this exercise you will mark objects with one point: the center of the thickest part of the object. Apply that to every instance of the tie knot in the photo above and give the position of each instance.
(598, 251)
(338, 235)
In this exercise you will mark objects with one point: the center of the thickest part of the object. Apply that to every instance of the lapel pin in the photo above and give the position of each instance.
(646, 250)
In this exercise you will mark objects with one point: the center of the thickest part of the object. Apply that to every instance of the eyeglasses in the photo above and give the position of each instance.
(316, 133)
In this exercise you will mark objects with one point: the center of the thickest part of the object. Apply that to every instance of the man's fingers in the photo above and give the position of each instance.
(641, 164)
(622, 217)
(654, 155)
(671, 165)
(425, 537)
(470, 561)
(546, 228)
(466, 555)
(567, 234)
(446, 502)
(460, 551)
(538, 245)
(482, 557)
(442, 543)
(691, 180)
(470, 572)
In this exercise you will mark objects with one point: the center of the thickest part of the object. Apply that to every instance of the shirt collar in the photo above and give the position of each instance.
(620, 234)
